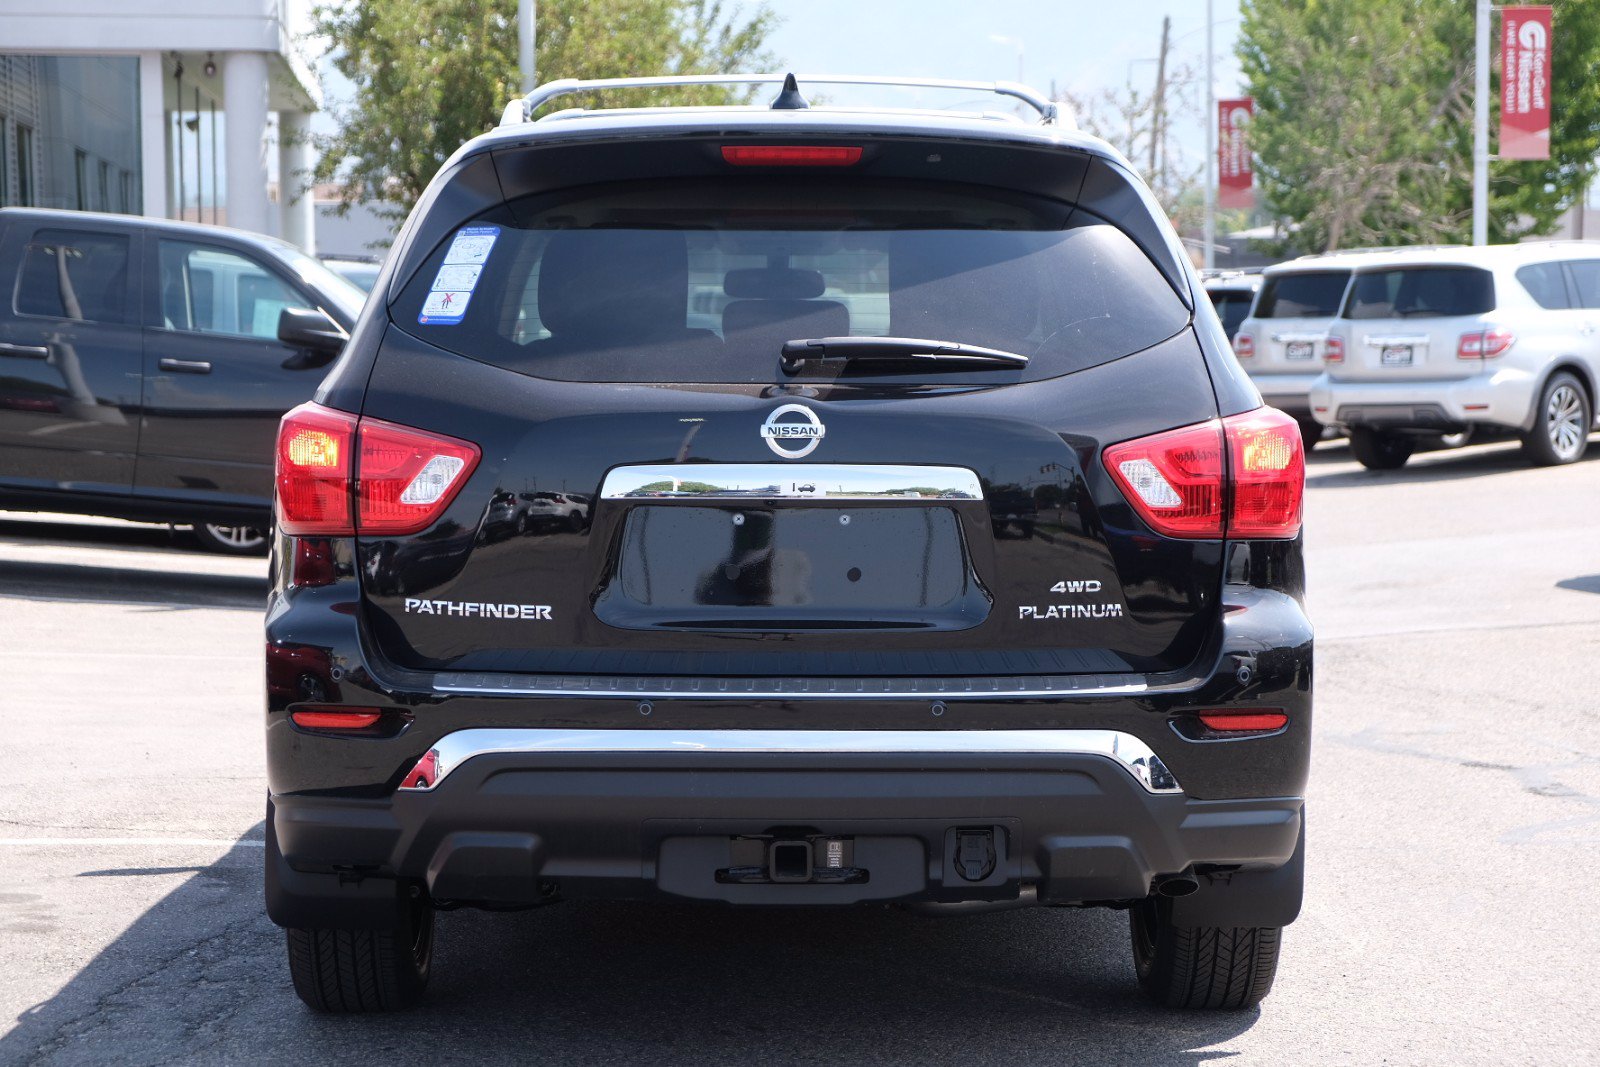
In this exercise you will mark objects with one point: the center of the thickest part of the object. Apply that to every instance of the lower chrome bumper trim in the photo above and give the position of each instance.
(1132, 754)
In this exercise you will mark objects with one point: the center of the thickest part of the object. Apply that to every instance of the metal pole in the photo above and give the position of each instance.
(1211, 151)
(1480, 132)
(527, 11)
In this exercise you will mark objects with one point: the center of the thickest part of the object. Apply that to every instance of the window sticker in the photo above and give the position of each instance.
(453, 286)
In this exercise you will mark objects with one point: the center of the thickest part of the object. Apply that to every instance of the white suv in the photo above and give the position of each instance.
(1443, 340)
(1282, 343)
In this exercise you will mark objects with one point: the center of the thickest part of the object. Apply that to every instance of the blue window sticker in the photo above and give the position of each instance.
(458, 276)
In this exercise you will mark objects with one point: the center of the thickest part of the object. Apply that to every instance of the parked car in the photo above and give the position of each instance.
(764, 697)
(360, 271)
(144, 366)
(1283, 341)
(1232, 293)
(1448, 340)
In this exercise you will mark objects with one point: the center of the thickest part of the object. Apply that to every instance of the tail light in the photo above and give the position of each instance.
(1333, 349)
(1242, 476)
(1484, 344)
(791, 155)
(1230, 722)
(338, 474)
(1244, 345)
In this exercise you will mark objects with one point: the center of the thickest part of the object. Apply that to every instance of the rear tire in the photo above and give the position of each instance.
(1380, 451)
(1226, 968)
(347, 971)
(1562, 423)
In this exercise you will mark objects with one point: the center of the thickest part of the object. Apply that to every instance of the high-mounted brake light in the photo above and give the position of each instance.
(791, 155)
(1244, 721)
(1484, 344)
(1183, 485)
(1333, 349)
(338, 474)
(1244, 345)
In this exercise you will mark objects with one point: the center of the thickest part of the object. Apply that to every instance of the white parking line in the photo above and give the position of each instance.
(207, 842)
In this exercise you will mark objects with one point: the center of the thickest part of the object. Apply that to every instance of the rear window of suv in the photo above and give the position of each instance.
(1302, 295)
(1420, 293)
(705, 281)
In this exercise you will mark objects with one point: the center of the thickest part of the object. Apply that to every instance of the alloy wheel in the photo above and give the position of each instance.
(1563, 420)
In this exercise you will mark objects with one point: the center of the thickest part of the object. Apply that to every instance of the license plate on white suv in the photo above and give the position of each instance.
(1300, 350)
(1395, 356)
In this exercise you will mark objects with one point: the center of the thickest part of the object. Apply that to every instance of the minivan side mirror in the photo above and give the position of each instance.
(313, 332)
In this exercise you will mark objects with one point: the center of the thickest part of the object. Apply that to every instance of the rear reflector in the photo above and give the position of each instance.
(1182, 486)
(335, 720)
(791, 155)
(401, 479)
(1242, 721)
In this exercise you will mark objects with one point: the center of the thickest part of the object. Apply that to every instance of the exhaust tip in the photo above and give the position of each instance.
(1180, 885)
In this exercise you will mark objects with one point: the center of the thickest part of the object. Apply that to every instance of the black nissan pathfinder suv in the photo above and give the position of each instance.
(933, 551)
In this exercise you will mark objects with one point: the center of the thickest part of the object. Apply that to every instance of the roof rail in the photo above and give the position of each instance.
(520, 109)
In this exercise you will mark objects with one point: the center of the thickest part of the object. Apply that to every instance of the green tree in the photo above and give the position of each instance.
(1363, 130)
(431, 74)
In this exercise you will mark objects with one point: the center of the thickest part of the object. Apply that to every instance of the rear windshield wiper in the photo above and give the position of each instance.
(895, 350)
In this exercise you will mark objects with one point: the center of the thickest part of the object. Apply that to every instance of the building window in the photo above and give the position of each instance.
(125, 205)
(105, 186)
(24, 165)
(80, 163)
(5, 158)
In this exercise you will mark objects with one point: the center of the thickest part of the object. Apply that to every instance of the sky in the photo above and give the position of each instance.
(1083, 46)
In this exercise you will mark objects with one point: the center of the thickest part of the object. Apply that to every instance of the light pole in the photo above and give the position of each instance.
(1480, 131)
(527, 10)
(1209, 235)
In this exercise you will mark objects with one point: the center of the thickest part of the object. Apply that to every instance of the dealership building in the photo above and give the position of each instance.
(172, 111)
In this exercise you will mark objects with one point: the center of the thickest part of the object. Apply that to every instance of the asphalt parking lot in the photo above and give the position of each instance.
(1454, 818)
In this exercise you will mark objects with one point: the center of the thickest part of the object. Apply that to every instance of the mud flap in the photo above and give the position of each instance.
(327, 901)
(1247, 898)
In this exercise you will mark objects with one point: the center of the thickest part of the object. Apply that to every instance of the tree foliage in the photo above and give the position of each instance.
(1363, 128)
(431, 74)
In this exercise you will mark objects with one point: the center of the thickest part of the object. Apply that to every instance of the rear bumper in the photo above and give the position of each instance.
(517, 824)
(1502, 398)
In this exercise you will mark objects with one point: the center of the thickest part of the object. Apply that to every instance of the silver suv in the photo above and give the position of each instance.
(1282, 343)
(1446, 340)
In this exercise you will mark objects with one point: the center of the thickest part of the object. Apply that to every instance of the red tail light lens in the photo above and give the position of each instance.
(1244, 346)
(1484, 344)
(791, 155)
(403, 478)
(1333, 349)
(344, 719)
(1176, 481)
(1269, 474)
(315, 453)
(1244, 721)
(407, 477)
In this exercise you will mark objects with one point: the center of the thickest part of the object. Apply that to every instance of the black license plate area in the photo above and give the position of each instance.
(792, 568)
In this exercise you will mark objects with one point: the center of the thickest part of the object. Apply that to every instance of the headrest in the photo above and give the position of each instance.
(614, 284)
(793, 319)
(774, 283)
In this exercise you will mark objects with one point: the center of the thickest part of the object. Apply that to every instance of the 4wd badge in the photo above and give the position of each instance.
(793, 425)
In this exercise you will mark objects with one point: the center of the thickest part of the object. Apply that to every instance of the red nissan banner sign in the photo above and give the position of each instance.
(1234, 176)
(1525, 83)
